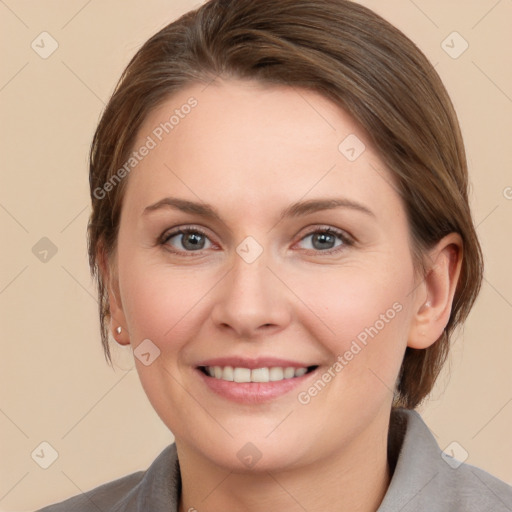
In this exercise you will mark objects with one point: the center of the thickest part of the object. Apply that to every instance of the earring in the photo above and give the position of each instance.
(118, 330)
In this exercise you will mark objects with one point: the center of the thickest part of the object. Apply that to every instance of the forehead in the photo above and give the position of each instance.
(245, 142)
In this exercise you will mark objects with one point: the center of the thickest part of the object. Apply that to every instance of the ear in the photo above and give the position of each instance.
(110, 278)
(434, 296)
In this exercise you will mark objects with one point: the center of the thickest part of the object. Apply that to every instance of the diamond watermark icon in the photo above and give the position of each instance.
(44, 250)
(454, 45)
(44, 45)
(44, 455)
(249, 455)
(454, 454)
(249, 249)
(146, 352)
(352, 147)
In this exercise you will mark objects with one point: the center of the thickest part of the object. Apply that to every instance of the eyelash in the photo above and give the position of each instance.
(326, 230)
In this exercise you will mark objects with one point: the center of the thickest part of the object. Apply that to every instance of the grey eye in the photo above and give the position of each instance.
(323, 240)
(190, 240)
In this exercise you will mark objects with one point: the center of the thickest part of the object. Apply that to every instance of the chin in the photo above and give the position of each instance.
(251, 459)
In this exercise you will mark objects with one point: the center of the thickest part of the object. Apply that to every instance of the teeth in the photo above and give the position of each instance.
(240, 374)
(290, 372)
(299, 372)
(260, 375)
(276, 374)
(228, 373)
(257, 375)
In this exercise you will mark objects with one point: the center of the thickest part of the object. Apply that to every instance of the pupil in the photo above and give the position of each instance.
(323, 238)
(193, 240)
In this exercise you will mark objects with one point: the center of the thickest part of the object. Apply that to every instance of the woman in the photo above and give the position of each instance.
(281, 231)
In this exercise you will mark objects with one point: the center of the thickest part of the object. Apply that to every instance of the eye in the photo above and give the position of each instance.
(327, 240)
(192, 239)
(186, 240)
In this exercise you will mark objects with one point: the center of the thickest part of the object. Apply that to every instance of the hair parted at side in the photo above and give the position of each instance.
(351, 56)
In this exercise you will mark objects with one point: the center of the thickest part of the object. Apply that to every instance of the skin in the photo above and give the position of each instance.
(250, 151)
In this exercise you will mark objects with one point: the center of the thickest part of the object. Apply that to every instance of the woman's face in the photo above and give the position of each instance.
(258, 282)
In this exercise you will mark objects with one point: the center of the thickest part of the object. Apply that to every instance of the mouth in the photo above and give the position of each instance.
(258, 384)
(256, 375)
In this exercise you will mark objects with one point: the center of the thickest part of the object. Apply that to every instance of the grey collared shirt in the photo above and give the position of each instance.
(424, 479)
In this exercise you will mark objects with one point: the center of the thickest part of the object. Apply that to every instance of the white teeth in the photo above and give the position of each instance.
(240, 374)
(273, 374)
(276, 374)
(228, 373)
(290, 372)
(260, 375)
(299, 372)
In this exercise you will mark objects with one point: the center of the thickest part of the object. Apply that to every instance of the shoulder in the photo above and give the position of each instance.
(104, 497)
(153, 489)
(472, 489)
(426, 478)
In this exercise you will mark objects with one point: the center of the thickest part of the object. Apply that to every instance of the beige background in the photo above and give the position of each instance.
(56, 386)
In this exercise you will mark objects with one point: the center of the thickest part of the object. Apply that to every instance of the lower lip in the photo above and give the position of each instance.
(253, 392)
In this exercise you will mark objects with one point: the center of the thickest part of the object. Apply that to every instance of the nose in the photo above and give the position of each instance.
(251, 301)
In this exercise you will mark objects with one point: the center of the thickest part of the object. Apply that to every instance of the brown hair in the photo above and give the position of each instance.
(351, 56)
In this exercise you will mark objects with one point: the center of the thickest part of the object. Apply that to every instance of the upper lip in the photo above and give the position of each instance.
(253, 363)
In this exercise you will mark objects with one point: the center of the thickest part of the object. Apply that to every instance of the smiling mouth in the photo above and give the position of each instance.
(256, 375)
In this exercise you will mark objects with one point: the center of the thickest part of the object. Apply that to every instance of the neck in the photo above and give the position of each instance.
(353, 478)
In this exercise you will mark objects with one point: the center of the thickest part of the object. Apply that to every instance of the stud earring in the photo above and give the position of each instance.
(118, 330)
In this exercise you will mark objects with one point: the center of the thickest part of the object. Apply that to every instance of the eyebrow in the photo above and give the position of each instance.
(294, 210)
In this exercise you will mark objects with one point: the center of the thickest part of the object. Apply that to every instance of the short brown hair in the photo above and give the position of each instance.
(351, 56)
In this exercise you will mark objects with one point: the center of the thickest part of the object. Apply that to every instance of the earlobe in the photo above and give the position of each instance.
(119, 333)
(117, 318)
(436, 293)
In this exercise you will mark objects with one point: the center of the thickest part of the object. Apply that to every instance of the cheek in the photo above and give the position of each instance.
(359, 312)
(160, 303)
(347, 301)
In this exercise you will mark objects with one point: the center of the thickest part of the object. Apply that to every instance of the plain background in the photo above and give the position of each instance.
(56, 386)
